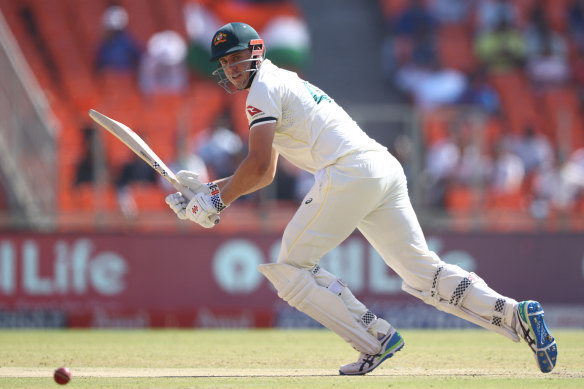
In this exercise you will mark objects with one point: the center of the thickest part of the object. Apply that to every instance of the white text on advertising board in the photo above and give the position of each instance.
(74, 269)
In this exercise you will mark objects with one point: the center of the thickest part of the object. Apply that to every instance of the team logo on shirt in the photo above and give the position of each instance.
(219, 38)
(252, 110)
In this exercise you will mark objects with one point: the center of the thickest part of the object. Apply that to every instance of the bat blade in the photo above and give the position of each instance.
(133, 141)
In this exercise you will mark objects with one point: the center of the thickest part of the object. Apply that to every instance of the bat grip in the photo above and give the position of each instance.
(188, 194)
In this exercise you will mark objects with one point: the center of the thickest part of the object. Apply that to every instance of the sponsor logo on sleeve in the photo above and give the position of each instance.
(253, 111)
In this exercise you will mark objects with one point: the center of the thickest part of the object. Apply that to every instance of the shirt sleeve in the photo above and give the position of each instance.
(263, 104)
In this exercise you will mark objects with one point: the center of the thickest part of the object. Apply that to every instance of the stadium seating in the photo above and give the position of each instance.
(59, 40)
(556, 113)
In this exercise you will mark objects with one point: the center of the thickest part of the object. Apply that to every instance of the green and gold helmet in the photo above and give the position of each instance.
(231, 38)
(234, 37)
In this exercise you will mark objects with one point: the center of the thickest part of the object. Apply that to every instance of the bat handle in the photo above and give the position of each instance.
(188, 194)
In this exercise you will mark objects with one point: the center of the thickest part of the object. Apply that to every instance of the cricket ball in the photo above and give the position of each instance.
(62, 375)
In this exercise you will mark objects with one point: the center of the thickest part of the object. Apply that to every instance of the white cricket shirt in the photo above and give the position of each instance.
(312, 131)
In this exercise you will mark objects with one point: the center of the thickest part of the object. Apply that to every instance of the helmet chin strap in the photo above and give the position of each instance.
(254, 69)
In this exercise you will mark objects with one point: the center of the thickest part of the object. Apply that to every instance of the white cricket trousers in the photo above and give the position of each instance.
(369, 192)
(345, 197)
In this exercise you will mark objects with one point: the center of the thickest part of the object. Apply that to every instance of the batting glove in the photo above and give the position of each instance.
(178, 204)
(191, 180)
(203, 209)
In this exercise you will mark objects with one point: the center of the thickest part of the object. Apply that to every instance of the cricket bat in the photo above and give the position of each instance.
(138, 146)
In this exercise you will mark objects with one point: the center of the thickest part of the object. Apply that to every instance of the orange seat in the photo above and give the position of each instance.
(517, 101)
(455, 47)
(87, 25)
(556, 12)
(205, 103)
(256, 15)
(460, 198)
(85, 198)
(142, 21)
(564, 118)
(506, 201)
(149, 197)
(170, 15)
(435, 125)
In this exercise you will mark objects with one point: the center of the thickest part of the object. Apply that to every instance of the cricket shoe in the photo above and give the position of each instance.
(390, 344)
(531, 327)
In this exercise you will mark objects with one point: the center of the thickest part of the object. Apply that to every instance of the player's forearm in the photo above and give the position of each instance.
(251, 175)
(223, 182)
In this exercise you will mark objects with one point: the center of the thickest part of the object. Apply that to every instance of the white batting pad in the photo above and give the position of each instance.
(467, 296)
(299, 289)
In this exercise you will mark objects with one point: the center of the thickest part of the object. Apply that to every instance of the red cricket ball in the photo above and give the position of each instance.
(62, 375)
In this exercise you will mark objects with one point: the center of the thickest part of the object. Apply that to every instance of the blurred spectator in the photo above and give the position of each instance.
(549, 68)
(472, 165)
(431, 86)
(403, 150)
(575, 18)
(288, 42)
(286, 182)
(425, 47)
(119, 50)
(163, 68)
(454, 160)
(187, 160)
(537, 17)
(86, 169)
(571, 184)
(220, 148)
(535, 150)
(507, 172)
(414, 17)
(481, 94)
(133, 171)
(502, 49)
(408, 51)
(546, 51)
(411, 39)
(201, 23)
(491, 13)
(451, 11)
(578, 75)
(539, 36)
(546, 182)
(441, 160)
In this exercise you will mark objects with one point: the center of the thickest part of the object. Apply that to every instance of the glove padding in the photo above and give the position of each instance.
(199, 210)
(201, 204)
(202, 210)
(178, 204)
(191, 181)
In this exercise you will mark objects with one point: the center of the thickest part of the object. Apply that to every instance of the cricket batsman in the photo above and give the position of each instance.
(358, 184)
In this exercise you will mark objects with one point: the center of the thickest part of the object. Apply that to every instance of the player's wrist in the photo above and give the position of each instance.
(216, 197)
(213, 188)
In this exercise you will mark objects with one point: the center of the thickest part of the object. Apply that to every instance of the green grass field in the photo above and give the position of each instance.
(276, 359)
